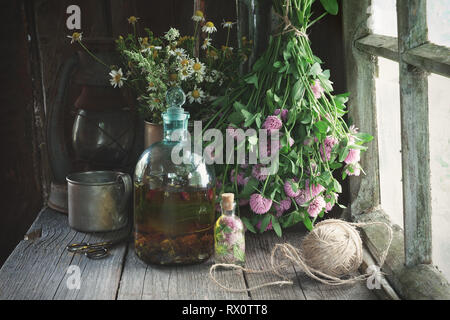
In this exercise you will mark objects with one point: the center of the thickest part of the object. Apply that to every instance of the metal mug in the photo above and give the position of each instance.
(99, 200)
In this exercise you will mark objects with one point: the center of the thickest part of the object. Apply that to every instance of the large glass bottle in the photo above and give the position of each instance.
(174, 202)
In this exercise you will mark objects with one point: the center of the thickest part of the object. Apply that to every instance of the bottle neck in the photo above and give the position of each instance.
(227, 212)
(175, 124)
(175, 132)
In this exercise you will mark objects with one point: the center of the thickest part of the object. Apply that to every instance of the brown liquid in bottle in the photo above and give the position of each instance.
(174, 227)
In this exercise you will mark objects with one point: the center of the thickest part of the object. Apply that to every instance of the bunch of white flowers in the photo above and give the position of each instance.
(172, 34)
(172, 66)
(151, 65)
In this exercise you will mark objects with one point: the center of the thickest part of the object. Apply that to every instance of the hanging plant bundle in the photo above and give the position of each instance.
(288, 90)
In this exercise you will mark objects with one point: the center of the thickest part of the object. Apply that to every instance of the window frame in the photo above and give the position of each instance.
(411, 251)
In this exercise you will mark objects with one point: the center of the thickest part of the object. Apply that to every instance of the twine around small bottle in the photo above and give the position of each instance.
(328, 235)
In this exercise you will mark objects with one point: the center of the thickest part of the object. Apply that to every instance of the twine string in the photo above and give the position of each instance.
(288, 26)
(293, 256)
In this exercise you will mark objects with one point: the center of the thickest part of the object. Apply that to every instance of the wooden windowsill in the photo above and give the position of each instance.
(420, 282)
(429, 56)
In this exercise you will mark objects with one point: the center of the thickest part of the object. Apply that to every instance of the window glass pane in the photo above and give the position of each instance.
(389, 139)
(384, 17)
(438, 19)
(439, 111)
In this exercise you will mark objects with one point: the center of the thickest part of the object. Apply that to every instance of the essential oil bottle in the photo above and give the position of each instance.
(229, 234)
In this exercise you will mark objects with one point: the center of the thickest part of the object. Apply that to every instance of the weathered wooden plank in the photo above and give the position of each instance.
(258, 251)
(37, 269)
(149, 282)
(42, 169)
(385, 292)
(379, 45)
(364, 190)
(314, 290)
(99, 278)
(430, 57)
(412, 28)
(133, 277)
(141, 281)
(22, 275)
(421, 282)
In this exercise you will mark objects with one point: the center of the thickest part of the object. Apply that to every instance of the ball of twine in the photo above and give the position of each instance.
(333, 247)
(331, 251)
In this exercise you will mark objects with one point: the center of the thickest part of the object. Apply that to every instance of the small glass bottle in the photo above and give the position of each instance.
(229, 234)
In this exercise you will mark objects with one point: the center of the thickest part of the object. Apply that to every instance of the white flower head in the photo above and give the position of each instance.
(172, 34)
(76, 36)
(132, 20)
(151, 87)
(148, 48)
(198, 16)
(196, 95)
(185, 62)
(117, 78)
(216, 74)
(184, 68)
(185, 73)
(213, 76)
(209, 27)
(206, 43)
(154, 102)
(228, 24)
(209, 78)
(198, 69)
(180, 53)
(220, 78)
(177, 52)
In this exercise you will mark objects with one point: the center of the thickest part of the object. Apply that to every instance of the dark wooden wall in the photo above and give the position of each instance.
(108, 19)
(22, 165)
(20, 191)
(328, 44)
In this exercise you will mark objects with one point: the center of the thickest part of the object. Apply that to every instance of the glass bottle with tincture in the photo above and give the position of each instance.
(174, 197)
(229, 234)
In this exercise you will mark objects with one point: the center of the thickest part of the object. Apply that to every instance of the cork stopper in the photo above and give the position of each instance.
(227, 201)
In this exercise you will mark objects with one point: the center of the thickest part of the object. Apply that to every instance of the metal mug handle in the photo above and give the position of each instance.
(125, 179)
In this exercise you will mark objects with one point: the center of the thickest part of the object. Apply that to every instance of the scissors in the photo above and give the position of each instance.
(97, 250)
